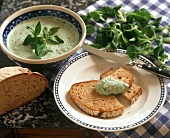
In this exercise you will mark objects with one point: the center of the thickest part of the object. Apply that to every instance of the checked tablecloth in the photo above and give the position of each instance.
(158, 126)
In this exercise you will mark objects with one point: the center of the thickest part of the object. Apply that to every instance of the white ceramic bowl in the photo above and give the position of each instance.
(41, 10)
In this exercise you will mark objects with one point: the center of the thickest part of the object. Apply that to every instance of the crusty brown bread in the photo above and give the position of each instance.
(133, 93)
(126, 76)
(107, 73)
(18, 86)
(121, 74)
(85, 97)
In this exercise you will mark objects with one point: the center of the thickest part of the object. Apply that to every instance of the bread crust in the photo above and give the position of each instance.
(8, 72)
(107, 73)
(85, 97)
(18, 86)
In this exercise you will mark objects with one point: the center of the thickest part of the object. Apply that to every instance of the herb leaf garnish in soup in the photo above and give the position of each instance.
(43, 37)
(39, 42)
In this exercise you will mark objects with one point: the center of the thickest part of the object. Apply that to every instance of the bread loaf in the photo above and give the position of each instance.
(85, 97)
(18, 86)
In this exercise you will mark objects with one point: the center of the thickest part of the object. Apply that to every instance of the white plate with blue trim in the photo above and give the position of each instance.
(87, 67)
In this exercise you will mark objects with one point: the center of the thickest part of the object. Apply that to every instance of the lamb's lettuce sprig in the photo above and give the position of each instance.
(138, 32)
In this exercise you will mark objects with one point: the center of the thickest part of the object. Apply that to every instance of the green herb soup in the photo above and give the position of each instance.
(67, 32)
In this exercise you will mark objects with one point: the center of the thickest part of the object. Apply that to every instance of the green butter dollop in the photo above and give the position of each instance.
(108, 85)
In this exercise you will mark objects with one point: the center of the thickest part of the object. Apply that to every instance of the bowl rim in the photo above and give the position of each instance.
(35, 8)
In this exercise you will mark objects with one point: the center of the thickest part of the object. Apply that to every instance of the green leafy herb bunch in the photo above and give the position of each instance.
(138, 32)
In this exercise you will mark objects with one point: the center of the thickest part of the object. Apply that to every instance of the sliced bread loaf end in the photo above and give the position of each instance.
(85, 97)
(18, 86)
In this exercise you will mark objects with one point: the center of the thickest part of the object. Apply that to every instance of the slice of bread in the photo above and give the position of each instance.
(18, 86)
(107, 73)
(126, 76)
(85, 97)
(121, 74)
(133, 93)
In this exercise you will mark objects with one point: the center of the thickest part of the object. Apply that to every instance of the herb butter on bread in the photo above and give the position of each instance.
(125, 76)
(93, 103)
(108, 85)
(84, 94)
(18, 86)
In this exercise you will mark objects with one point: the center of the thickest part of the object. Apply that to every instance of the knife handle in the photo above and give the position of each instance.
(154, 69)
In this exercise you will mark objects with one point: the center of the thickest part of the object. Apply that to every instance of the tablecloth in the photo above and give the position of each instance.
(158, 126)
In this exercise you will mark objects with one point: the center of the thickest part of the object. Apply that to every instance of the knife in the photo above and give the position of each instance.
(123, 58)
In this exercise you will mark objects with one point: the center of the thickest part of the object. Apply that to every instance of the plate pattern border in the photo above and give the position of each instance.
(94, 127)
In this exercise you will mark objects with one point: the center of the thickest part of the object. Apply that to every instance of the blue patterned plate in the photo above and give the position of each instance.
(88, 66)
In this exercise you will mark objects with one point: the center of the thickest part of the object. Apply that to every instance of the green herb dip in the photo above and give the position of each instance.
(67, 32)
(108, 85)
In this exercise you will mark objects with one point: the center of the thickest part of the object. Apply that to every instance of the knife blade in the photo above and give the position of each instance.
(124, 58)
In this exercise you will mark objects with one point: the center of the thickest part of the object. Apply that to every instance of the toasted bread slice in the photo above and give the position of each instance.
(107, 73)
(85, 97)
(121, 74)
(126, 76)
(133, 93)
